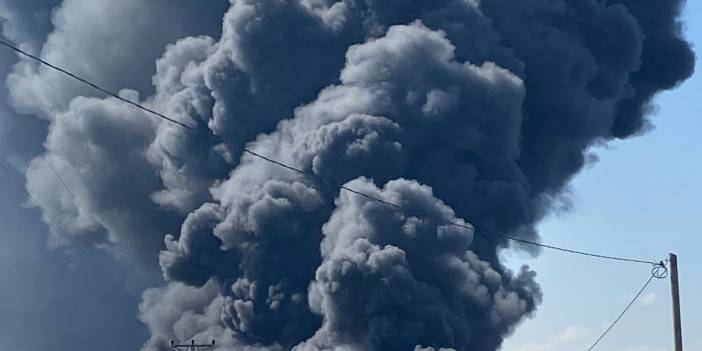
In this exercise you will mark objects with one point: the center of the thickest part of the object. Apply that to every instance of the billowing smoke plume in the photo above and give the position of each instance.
(457, 110)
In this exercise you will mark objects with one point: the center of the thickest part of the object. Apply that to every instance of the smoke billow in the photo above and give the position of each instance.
(459, 111)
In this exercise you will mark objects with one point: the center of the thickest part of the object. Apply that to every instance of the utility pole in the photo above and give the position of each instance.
(675, 292)
(192, 346)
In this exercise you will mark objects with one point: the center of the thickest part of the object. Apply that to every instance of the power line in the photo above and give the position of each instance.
(583, 253)
(88, 291)
(623, 312)
(19, 228)
(272, 161)
(34, 201)
(93, 85)
(26, 234)
(469, 227)
(281, 164)
(53, 170)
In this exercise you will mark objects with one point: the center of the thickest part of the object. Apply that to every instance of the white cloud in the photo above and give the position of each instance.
(576, 337)
(571, 338)
(645, 348)
(648, 299)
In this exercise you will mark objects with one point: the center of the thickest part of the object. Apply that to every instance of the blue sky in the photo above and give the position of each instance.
(641, 199)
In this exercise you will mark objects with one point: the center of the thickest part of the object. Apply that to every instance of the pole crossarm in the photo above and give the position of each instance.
(192, 346)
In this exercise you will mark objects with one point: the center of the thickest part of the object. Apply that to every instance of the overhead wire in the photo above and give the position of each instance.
(52, 218)
(624, 311)
(289, 167)
(19, 228)
(470, 227)
(88, 292)
(26, 234)
(87, 82)
(583, 253)
(34, 201)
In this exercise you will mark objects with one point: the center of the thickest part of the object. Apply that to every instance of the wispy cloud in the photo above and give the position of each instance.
(571, 338)
(646, 348)
(648, 299)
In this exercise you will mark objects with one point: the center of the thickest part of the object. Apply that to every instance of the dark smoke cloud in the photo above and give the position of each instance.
(117, 58)
(341, 131)
(79, 32)
(27, 22)
(392, 281)
(468, 111)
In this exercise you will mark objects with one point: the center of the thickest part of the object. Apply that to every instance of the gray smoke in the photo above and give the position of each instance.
(464, 111)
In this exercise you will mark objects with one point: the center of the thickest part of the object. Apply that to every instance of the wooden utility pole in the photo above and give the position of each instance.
(675, 292)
